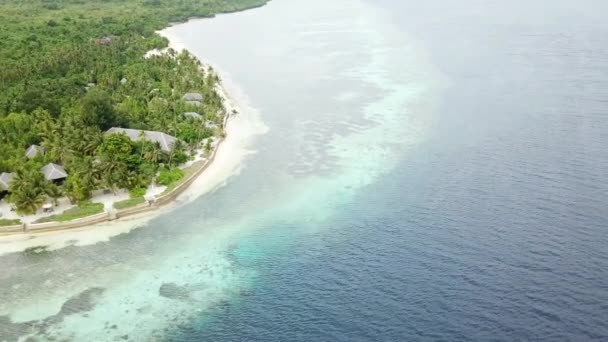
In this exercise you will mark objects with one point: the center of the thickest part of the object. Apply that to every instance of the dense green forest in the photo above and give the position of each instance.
(71, 69)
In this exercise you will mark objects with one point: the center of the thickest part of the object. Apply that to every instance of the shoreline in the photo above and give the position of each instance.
(225, 162)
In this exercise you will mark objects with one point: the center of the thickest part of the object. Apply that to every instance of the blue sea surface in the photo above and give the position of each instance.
(494, 228)
(433, 171)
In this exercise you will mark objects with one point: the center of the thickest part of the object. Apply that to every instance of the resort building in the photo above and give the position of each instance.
(34, 151)
(5, 180)
(54, 172)
(165, 141)
(193, 115)
(194, 99)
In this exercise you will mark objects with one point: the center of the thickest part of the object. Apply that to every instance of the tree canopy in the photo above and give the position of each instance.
(72, 69)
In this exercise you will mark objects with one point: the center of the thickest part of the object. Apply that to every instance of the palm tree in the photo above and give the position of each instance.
(114, 174)
(27, 201)
(54, 192)
(143, 143)
(45, 126)
(27, 190)
(82, 180)
(57, 149)
(85, 140)
(153, 153)
(178, 150)
(208, 146)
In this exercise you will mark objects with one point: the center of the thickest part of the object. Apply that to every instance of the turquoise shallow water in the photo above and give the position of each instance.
(427, 175)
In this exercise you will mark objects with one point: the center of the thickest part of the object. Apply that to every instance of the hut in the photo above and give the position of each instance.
(34, 151)
(193, 115)
(123, 81)
(165, 141)
(5, 181)
(54, 172)
(194, 103)
(210, 124)
(192, 97)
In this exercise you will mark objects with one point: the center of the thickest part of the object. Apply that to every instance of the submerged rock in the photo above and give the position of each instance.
(12, 331)
(80, 303)
(173, 291)
(83, 302)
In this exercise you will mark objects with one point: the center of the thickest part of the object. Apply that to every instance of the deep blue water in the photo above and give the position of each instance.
(429, 268)
(495, 228)
(466, 203)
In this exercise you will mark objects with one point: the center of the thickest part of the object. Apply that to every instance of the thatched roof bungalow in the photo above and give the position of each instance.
(34, 151)
(166, 141)
(5, 181)
(194, 103)
(193, 115)
(210, 124)
(54, 172)
(192, 97)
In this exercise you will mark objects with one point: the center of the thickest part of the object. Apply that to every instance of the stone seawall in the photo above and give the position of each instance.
(17, 228)
(81, 222)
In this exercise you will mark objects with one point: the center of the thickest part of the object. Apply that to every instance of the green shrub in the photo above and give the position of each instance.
(51, 6)
(84, 209)
(137, 192)
(187, 172)
(131, 202)
(8, 222)
(169, 176)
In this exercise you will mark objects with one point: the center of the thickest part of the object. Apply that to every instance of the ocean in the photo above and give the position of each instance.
(432, 171)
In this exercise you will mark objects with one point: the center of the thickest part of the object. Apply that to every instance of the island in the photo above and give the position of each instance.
(99, 118)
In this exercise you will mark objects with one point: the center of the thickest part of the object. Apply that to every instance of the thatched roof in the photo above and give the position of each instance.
(193, 115)
(166, 141)
(211, 124)
(54, 172)
(192, 97)
(5, 180)
(34, 151)
(194, 103)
